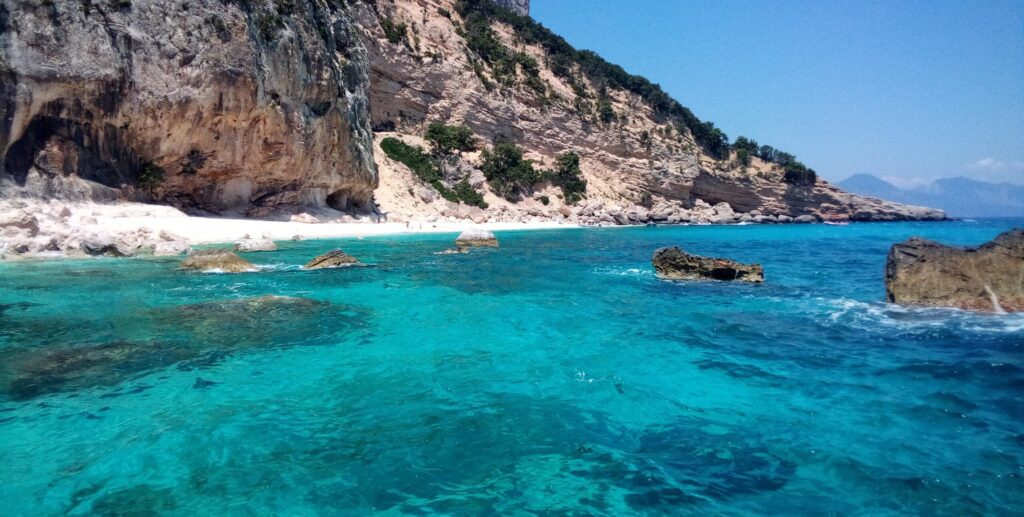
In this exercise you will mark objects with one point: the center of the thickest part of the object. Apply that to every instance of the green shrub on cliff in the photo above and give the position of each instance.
(567, 176)
(504, 62)
(150, 176)
(465, 193)
(798, 174)
(269, 25)
(508, 173)
(412, 157)
(425, 167)
(445, 140)
(393, 31)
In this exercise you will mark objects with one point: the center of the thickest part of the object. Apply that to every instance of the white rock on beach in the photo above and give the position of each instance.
(251, 245)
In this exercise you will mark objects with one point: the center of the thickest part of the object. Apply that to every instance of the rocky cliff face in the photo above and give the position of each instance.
(633, 157)
(520, 7)
(248, 106)
(206, 104)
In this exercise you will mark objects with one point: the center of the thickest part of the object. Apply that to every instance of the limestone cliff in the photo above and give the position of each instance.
(520, 7)
(208, 104)
(634, 155)
(248, 106)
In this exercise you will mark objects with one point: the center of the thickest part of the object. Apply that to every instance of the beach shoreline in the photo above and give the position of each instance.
(53, 229)
(199, 230)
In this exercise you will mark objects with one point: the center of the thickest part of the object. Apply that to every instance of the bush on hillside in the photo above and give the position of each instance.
(425, 167)
(798, 174)
(509, 175)
(446, 140)
(394, 31)
(568, 177)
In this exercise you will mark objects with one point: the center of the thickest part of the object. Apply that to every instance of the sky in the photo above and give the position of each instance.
(907, 91)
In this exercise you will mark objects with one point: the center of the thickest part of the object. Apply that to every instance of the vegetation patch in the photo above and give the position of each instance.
(509, 175)
(446, 140)
(150, 176)
(425, 167)
(504, 62)
(393, 31)
(795, 171)
(567, 176)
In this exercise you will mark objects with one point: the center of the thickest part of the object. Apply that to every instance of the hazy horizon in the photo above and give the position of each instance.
(907, 92)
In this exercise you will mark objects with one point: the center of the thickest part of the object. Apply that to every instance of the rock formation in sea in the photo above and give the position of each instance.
(476, 238)
(676, 264)
(987, 278)
(217, 260)
(332, 259)
(270, 107)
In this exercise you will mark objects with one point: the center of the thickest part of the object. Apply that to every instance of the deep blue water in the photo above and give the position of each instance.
(555, 375)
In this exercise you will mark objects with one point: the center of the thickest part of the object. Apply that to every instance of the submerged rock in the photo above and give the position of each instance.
(251, 245)
(331, 259)
(217, 260)
(987, 278)
(192, 336)
(39, 371)
(476, 238)
(675, 264)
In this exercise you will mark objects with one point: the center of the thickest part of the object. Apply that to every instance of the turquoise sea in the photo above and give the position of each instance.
(553, 376)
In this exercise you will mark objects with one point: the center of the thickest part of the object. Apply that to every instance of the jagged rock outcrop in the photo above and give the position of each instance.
(676, 264)
(242, 106)
(522, 7)
(33, 228)
(987, 278)
(332, 259)
(217, 260)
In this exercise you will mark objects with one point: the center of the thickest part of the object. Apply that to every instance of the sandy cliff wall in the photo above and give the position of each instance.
(207, 104)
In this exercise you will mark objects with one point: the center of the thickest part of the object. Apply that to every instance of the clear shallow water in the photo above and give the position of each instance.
(553, 376)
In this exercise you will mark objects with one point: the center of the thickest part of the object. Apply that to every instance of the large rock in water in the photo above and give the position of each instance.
(331, 259)
(676, 264)
(987, 278)
(476, 238)
(217, 260)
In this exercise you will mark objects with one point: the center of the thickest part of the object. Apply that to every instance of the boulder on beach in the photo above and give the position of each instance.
(476, 238)
(676, 264)
(251, 245)
(987, 278)
(331, 259)
(217, 260)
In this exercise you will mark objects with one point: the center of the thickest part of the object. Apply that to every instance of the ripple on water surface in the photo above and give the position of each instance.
(553, 375)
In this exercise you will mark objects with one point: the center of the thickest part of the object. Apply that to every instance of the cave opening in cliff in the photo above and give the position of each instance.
(80, 149)
(345, 200)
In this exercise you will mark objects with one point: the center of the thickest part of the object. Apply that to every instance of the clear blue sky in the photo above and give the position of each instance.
(903, 90)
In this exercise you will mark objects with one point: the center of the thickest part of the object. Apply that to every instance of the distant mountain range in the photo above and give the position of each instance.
(959, 197)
